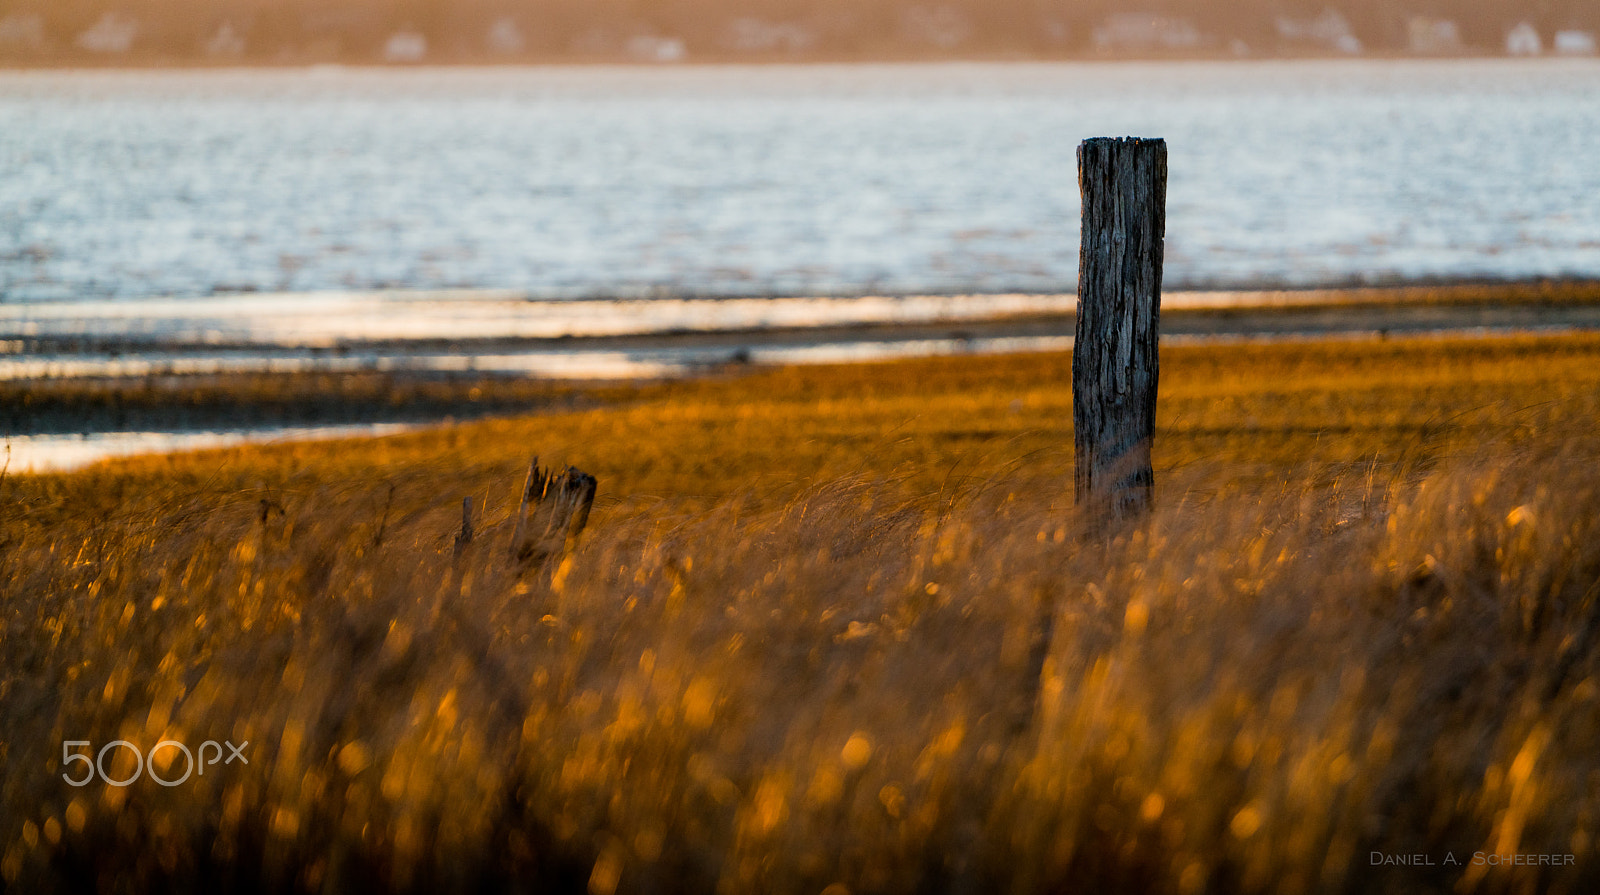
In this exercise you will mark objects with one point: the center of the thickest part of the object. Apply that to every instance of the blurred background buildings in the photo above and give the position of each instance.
(75, 32)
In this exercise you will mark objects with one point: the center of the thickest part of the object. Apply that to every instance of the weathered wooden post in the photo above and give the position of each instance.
(554, 510)
(464, 534)
(1114, 360)
(1114, 368)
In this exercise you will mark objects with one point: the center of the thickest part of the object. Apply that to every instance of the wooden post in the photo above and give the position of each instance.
(464, 535)
(555, 510)
(1114, 360)
(537, 479)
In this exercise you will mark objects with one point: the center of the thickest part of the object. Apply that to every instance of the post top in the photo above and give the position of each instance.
(1132, 141)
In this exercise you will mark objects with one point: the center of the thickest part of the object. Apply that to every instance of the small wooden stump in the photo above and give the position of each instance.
(554, 510)
(1114, 360)
(464, 534)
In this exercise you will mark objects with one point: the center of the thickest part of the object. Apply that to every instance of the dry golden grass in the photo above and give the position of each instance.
(799, 647)
(1547, 292)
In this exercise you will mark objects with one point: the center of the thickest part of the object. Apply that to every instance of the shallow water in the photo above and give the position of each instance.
(597, 181)
(327, 319)
(58, 453)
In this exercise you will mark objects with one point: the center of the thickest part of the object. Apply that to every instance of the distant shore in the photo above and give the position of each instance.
(1216, 53)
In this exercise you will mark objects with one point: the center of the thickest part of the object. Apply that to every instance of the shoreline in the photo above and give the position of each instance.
(65, 408)
(89, 424)
(506, 333)
(332, 319)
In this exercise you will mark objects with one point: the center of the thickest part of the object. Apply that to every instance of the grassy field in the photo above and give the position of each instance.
(839, 629)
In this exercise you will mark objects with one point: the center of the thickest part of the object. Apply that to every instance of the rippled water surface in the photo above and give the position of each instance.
(783, 180)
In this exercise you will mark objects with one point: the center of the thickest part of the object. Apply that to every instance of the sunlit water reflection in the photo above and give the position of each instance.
(783, 180)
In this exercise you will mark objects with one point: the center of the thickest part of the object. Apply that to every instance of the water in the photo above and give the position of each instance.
(593, 181)
(60, 453)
